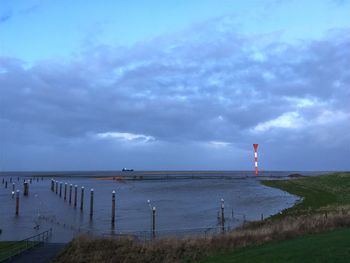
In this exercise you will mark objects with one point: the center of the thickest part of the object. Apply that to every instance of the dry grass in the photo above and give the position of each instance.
(90, 249)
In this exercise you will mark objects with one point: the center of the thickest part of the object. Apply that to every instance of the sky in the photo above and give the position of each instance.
(174, 85)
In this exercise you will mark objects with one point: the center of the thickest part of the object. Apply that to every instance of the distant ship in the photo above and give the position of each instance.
(127, 170)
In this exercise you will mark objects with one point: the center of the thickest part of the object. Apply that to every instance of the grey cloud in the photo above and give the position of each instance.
(204, 84)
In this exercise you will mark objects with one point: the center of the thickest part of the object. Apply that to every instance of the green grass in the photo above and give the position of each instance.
(331, 246)
(324, 191)
(11, 248)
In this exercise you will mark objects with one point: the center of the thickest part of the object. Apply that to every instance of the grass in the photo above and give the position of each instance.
(318, 192)
(324, 247)
(11, 248)
(325, 207)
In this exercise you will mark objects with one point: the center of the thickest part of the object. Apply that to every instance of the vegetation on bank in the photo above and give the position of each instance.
(325, 206)
(332, 246)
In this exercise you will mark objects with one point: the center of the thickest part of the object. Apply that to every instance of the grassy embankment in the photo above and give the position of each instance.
(325, 207)
(321, 195)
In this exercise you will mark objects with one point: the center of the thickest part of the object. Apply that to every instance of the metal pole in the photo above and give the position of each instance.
(91, 202)
(222, 216)
(154, 222)
(113, 209)
(75, 195)
(17, 202)
(82, 199)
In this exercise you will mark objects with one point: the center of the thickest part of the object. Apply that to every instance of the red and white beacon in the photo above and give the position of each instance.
(255, 145)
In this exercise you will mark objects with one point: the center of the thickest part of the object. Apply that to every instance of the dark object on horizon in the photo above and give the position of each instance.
(127, 170)
(295, 175)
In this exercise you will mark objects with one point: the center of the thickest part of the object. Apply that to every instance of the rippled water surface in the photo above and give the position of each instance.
(180, 204)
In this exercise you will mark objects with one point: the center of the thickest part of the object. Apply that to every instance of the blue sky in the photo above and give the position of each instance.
(37, 30)
(174, 84)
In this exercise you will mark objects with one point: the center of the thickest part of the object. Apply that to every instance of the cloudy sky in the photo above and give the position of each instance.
(174, 84)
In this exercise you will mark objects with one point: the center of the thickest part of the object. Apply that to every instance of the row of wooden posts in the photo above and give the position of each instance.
(16, 192)
(56, 187)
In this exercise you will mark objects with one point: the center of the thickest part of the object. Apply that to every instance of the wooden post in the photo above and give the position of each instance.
(75, 195)
(65, 191)
(25, 188)
(113, 209)
(60, 189)
(13, 194)
(56, 187)
(154, 222)
(6, 184)
(222, 216)
(82, 199)
(91, 203)
(52, 185)
(70, 193)
(17, 202)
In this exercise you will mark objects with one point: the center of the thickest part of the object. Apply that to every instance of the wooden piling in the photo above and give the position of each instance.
(154, 222)
(75, 195)
(60, 189)
(52, 185)
(17, 202)
(113, 209)
(82, 199)
(222, 216)
(65, 191)
(6, 184)
(56, 187)
(25, 188)
(91, 203)
(70, 193)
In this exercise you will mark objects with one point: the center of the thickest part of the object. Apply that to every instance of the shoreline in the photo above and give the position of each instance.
(325, 206)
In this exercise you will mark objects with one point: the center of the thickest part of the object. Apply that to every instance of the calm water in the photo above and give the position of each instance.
(180, 204)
